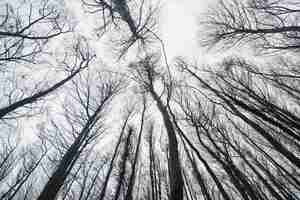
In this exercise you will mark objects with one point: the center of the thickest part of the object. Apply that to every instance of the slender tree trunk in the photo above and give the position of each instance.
(238, 179)
(277, 145)
(129, 195)
(29, 100)
(256, 172)
(175, 176)
(198, 175)
(295, 182)
(124, 159)
(204, 162)
(57, 179)
(152, 169)
(104, 185)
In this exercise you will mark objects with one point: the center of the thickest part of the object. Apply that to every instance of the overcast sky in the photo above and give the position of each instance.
(179, 26)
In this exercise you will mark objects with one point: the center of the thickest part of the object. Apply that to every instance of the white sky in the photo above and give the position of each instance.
(179, 26)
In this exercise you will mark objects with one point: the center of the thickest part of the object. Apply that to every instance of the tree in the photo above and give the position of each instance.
(115, 153)
(86, 125)
(139, 18)
(227, 131)
(123, 162)
(25, 29)
(81, 59)
(270, 24)
(131, 183)
(146, 75)
(232, 101)
(19, 166)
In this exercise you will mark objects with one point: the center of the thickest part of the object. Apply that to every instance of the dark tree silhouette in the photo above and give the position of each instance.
(267, 25)
(20, 168)
(226, 131)
(114, 157)
(132, 178)
(124, 158)
(92, 105)
(81, 60)
(146, 75)
(237, 100)
(25, 28)
(138, 16)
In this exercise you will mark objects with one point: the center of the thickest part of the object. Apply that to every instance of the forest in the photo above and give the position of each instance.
(143, 126)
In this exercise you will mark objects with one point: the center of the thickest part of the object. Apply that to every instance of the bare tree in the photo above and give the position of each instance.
(115, 153)
(152, 164)
(267, 25)
(85, 119)
(131, 183)
(8, 157)
(239, 97)
(145, 74)
(73, 64)
(235, 104)
(25, 28)
(123, 162)
(24, 168)
(138, 16)
(227, 132)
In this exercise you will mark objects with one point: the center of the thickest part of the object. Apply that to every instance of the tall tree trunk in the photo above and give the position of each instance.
(184, 139)
(276, 145)
(198, 175)
(111, 165)
(124, 159)
(57, 179)
(175, 176)
(137, 151)
(152, 168)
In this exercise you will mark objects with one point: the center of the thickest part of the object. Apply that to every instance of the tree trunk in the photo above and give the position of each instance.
(175, 176)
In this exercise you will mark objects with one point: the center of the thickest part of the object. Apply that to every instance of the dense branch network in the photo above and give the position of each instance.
(71, 129)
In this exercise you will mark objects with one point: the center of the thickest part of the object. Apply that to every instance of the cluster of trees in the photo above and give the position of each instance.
(227, 131)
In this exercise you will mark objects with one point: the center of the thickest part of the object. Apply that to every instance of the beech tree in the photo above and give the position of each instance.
(27, 30)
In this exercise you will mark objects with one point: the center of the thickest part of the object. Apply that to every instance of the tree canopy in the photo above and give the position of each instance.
(75, 127)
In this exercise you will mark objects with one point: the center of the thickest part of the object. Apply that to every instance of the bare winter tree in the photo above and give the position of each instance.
(26, 27)
(236, 103)
(271, 24)
(72, 63)
(84, 115)
(145, 73)
(121, 179)
(104, 186)
(132, 178)
(84, 181)
(19, 167)
(227, 131)
(139, 17)
(228, 92)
